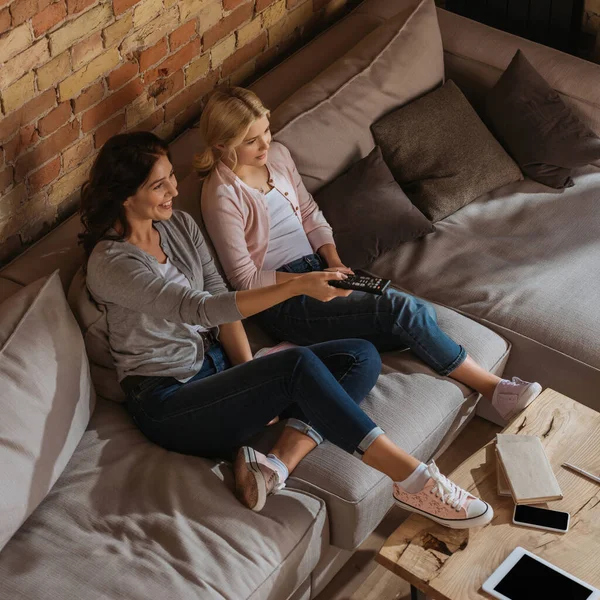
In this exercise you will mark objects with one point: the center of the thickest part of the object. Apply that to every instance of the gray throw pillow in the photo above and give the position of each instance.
(541, 132)
(369, 212)
(441, 153)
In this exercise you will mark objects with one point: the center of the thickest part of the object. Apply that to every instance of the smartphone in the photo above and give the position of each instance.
(541, 518)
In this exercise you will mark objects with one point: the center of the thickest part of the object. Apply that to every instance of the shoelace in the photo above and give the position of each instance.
(449, 492)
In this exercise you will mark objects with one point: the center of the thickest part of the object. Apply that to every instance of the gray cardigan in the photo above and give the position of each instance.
(145, 312)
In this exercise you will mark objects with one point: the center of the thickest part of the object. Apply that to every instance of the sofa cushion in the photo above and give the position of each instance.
(441, 153)
(419, 410)
(523, 259)
(47, 397)
(325, 124)
(369, 212)
(128, 519)
(544, 136)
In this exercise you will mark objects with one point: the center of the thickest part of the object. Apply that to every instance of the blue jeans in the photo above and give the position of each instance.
(318, 389)
(393, 321)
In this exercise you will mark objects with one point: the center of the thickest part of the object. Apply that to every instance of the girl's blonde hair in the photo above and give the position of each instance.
(226, 118)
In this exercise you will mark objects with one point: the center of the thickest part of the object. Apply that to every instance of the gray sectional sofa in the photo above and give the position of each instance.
(513, 279)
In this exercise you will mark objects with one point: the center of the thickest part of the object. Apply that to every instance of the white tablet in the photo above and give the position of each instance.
(524, 576)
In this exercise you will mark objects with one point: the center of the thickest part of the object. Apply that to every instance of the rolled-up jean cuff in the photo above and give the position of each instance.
(459, 360)
(367, 441)
(305, 429)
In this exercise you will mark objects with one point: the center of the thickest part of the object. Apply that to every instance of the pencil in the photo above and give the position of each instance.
(582, 472)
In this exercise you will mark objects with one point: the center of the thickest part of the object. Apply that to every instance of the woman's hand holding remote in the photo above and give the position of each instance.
(316, 285)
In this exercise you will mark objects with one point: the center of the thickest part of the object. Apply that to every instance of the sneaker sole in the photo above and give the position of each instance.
(253, 470)
(482, 519)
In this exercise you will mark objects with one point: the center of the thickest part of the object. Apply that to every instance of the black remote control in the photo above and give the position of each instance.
(362, 282)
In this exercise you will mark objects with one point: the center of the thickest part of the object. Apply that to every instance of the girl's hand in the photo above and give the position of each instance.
(273, 421)
(340, 268)
(315, 285)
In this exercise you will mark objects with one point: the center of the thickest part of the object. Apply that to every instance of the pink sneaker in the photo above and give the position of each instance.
(511, 397)
(444, 502)
(255, 478)
(271, 350)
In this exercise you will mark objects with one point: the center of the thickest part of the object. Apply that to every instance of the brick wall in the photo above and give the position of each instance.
(75, 72)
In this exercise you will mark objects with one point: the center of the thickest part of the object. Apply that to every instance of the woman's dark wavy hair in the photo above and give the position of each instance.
(121, 167)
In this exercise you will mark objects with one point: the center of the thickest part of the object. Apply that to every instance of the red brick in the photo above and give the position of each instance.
(182, 35)
(150, 57)
(47, 149)
(19, 144)
(22, 10)
(190, 95)
(104, 133)
(119, 77)
(55, 119)
(154, 120)
(262, 4)
(48, 18)
(227, 25)
(6, 178)
(120, 6)
(42, 177)
(5, 20)
(163, 89)
(244, 54)
(231, 4)
(88, 97)
(75, 6)
(77, 153)
(174, 62)
(111, 105)
(27, 113)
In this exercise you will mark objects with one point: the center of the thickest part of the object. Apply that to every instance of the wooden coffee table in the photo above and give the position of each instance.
(448, 564)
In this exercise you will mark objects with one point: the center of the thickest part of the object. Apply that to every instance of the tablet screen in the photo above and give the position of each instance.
(532, 579)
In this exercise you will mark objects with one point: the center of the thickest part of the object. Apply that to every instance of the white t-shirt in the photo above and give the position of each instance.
(171, 273)
(287, 239)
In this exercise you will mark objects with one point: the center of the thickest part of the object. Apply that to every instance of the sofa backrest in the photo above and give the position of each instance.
(475, 56)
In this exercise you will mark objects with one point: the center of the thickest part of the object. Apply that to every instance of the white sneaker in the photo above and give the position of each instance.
(442, 501)
(255, 478)
(511, 397)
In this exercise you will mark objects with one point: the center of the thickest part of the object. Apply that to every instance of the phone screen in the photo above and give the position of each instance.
(530, 579)
(542, 517)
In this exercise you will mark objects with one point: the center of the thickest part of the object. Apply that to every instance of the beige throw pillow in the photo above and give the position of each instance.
(46, 397)
(325, 124)
(442, 154)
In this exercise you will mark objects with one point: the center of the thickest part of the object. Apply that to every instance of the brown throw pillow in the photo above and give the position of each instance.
(369, 212)
(441, 153)
(541, 132)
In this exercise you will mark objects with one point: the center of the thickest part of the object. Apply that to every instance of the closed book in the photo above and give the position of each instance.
(502, 486)
(527, 469)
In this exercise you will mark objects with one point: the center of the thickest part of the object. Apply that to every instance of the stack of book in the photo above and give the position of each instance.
(523, 470)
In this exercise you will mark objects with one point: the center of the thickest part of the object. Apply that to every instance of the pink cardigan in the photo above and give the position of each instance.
(237, 218)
